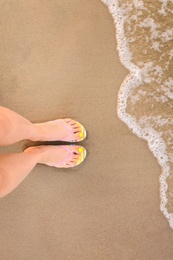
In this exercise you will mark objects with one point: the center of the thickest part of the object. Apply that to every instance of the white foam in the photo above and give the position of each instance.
(147, 73)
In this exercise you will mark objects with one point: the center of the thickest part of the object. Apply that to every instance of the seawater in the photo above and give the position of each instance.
(144, 32)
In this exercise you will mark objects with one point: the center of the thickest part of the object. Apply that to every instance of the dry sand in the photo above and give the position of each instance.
(59, 59)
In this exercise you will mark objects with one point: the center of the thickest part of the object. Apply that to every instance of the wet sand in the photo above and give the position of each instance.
(59, 59)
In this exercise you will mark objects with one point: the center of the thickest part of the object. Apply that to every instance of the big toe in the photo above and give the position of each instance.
(75, 157)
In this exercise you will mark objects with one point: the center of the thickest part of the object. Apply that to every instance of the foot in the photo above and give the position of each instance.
(62, 156)
(61, 129)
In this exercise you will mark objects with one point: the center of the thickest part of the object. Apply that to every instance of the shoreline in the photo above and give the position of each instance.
(133, 80)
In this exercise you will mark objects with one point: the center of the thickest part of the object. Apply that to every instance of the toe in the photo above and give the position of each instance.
(74, 130)
(78, 155)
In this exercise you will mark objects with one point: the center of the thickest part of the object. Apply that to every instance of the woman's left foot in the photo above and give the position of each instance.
(66, 129)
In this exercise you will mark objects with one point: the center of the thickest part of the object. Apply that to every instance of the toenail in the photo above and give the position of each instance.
(80, 134)
(80, 149)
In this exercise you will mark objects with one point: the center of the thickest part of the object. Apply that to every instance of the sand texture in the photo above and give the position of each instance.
(59, 59)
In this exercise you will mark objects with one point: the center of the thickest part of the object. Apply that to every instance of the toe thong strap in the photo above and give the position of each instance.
(67, 128)
(68, 156)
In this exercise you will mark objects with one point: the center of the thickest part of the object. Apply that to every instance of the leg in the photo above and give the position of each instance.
(15, 167)
(14, 127)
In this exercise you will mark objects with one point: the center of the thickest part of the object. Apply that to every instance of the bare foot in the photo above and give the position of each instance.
(62, 156)
(62, 130)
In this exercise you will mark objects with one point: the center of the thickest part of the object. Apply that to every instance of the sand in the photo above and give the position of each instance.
(59, 59)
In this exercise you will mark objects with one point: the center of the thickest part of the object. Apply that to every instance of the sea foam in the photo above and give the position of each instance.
(144, 32)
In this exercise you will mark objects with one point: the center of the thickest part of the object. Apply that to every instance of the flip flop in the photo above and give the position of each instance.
(73, 129)
(68, 159)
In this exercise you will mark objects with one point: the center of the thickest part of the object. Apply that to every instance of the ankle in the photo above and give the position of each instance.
(37, 133)
(36, 152)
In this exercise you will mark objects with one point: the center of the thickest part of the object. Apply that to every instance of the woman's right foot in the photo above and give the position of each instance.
(61, 156)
